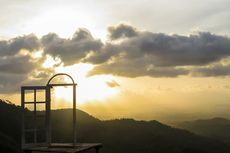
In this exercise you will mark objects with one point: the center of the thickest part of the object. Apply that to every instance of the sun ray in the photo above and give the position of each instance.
(88, 88)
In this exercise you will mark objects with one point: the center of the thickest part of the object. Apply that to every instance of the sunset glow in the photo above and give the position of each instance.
(88, 88)
(151, 59)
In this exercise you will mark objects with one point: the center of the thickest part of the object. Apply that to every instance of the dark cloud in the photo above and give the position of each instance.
(176, 50)
(214, 70)
(121, 31)
(112, 84)
(17, 63)
(13, 46)
(16, 71)
(107, 52)
(157, 54)
(11, 83)
(133, 70)
(128, 52)
(73, 50)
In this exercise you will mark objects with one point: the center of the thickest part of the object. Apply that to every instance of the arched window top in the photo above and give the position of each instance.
(61, 74)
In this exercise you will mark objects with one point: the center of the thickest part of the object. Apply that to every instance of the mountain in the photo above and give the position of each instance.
(216, 128)
(141, 136)
(9, 127)
(117, 136)
(7, 144)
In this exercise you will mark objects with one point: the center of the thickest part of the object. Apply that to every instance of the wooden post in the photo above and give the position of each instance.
(74, 116)
(23, 122)
(35, 118)
(48, 114)
(97, 149)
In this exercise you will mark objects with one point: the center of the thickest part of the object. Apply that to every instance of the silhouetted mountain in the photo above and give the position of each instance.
(117, 136)
(217, 128)
(10, 119)
(9, 128)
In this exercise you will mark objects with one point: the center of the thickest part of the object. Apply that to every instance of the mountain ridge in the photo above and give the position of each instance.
(118, 135)
(216, 128)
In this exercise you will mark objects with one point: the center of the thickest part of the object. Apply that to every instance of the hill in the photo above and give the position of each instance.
(117, 136)
(10, 130)
(8, 144)
(216, 128)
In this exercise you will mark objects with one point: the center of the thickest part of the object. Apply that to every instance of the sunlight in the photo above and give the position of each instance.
(54, 19)
(88, 88)
(50, 61)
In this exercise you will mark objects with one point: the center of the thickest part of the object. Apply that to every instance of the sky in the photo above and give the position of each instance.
(167, 60)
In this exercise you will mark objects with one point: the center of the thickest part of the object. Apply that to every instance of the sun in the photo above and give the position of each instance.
(88, 88)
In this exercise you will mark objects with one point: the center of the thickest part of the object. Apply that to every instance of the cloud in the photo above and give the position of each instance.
(13, 46)
(174, 50)
(72, 50)
(121, 31)
(158, 54)
(135, 69)
(11, 83)
(112, 84)
(128, 52)
(107, 51)
(16, 54)
(18, 65)
(210, 71)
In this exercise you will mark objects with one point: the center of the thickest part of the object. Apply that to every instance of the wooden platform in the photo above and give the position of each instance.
(63, 148)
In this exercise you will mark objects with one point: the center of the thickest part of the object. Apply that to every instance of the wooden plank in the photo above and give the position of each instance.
(65, 148)
(62, 84)
(32, 102)
(33, 87)
(34, 130)
(37, 116)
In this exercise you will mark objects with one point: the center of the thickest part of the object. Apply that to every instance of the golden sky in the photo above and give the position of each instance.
(138, 59)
